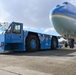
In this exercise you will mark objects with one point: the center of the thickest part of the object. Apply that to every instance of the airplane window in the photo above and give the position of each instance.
(65, 5)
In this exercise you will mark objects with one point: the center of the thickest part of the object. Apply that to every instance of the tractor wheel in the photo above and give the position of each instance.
(54, 43)
(32, 43)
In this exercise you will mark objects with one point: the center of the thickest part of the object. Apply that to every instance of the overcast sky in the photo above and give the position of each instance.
(33, 13)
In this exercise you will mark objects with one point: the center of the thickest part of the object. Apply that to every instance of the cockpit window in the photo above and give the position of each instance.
(65, 3)
(57, 5)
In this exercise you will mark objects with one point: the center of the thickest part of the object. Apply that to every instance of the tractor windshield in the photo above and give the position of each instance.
(3, 27)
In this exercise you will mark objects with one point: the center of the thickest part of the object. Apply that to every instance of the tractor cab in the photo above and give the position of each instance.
(14, 33)
(10, 33)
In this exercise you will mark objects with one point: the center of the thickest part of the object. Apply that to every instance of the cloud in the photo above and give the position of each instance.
(51, 31)
(3, 14)
(32, 13)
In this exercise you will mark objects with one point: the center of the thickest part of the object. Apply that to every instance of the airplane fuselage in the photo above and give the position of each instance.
(64, 19)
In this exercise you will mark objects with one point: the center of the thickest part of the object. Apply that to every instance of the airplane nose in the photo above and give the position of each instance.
(54, 11)
(58, 10)
(60, 19)
(55, 17)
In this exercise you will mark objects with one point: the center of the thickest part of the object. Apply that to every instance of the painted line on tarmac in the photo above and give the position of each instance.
(22, 71)
(10, 72)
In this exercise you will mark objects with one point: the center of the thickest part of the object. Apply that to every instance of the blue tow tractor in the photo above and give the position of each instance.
(14, 38)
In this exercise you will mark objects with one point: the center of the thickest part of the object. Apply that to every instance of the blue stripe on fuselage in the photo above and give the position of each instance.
(64, 10)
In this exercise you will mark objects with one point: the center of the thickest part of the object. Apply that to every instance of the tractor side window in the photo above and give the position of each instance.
(16, 28)
(9, 29)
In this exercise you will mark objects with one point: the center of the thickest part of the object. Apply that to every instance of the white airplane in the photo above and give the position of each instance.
(64, 19)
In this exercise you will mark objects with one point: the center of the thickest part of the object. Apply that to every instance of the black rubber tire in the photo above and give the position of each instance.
(66, 45)
(28, 41)
(52, 43)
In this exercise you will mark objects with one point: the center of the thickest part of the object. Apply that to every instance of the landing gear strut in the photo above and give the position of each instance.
(71, 43)
(66, 44)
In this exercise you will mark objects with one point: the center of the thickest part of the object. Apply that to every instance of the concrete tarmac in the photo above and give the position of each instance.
(49, 62)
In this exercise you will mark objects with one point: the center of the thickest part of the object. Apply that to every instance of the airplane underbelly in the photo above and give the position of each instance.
(64, 25)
